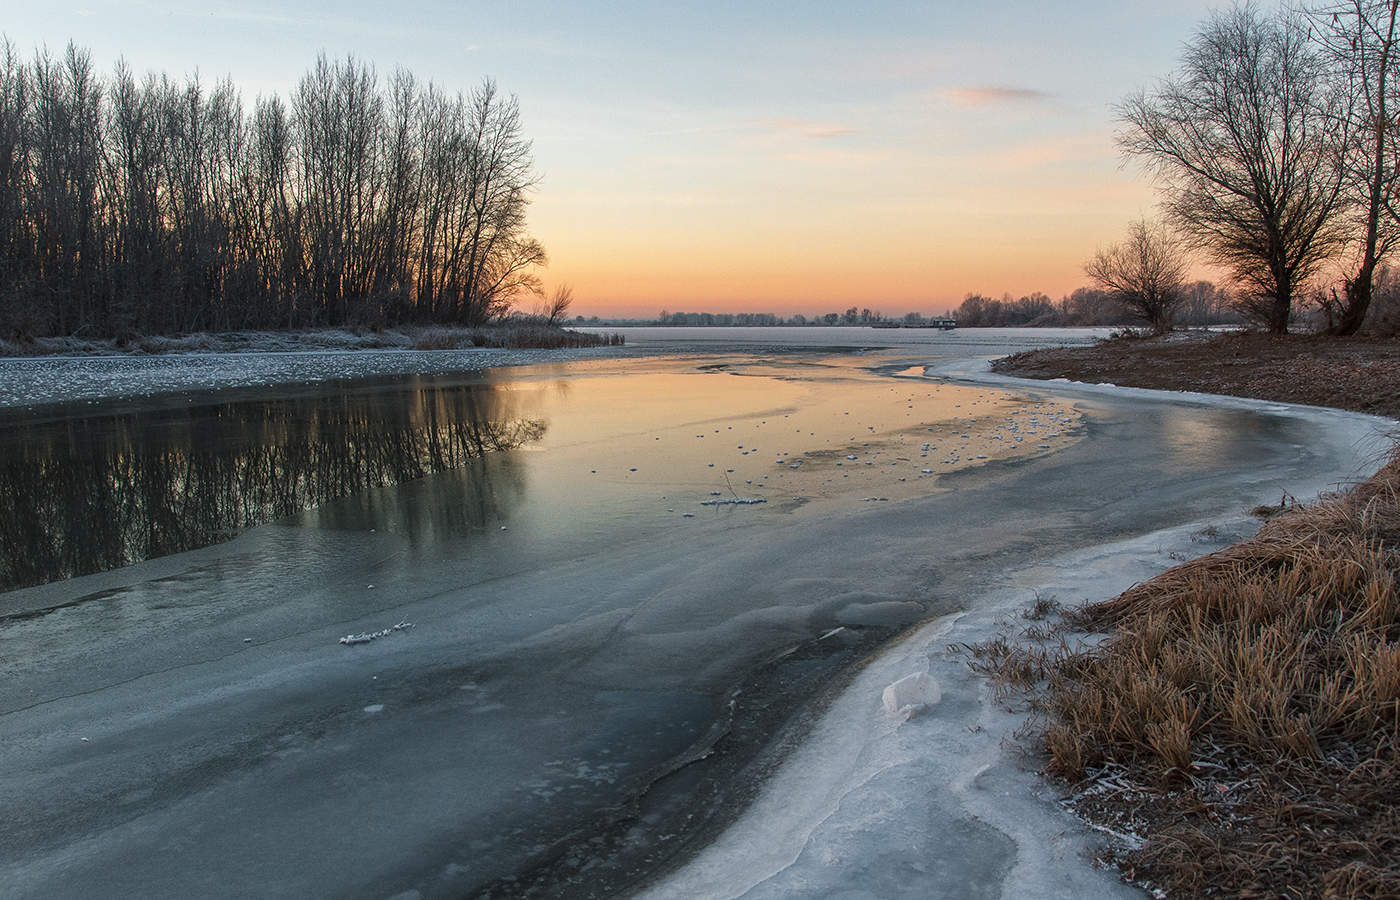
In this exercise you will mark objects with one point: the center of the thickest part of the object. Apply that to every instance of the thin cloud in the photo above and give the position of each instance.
(816, 130)
(988, 96)
(835, 157)
(1090, 146)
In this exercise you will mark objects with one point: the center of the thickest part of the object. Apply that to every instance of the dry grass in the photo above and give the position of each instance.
(1243, 715)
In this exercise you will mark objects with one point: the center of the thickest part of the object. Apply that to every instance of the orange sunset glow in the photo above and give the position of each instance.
(752, 157)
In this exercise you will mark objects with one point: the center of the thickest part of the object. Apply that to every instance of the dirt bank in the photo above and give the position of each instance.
(1360, 374)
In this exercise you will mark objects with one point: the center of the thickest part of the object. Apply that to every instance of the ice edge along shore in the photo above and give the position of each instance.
(852, 808)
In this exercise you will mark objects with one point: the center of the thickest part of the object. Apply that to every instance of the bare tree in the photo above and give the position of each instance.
(498, 259)
(18, 313)
(338, 112)
(1358, 37)
(274, 219)
(1145, 274)
(1204, 304)
(1246, 139)
(1091, 306)
(65, 122)
(558, 304)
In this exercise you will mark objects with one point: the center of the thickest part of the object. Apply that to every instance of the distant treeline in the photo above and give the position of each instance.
(852, 316)
(156, 206)
(1202, 304)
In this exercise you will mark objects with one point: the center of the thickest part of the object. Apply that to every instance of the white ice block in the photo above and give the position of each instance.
(912, 693)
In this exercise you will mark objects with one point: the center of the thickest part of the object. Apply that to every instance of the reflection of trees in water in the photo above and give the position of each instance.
(90, 494)
(470, 500)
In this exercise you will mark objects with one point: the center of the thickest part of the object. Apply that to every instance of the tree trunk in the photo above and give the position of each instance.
(1279, 311)
(1358, 293)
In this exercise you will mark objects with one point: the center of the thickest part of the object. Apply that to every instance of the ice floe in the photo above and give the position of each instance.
(364, 637)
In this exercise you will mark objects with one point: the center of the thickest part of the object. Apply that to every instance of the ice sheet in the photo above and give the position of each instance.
(948, 803)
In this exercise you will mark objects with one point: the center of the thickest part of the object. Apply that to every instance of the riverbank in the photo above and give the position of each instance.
(1236, 729)
(35, 382)
(252, 361)
(509, 335)
(1358, 374)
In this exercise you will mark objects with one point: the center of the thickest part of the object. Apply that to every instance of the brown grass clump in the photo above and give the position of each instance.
(1243, 715)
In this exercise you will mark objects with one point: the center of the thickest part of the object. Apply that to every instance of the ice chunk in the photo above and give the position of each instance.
(365, 637)
(911, 694)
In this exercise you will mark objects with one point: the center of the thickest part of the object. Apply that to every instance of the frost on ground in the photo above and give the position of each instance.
(36, 381)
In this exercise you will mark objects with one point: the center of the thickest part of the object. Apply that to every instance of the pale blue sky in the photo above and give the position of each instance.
(790, 157)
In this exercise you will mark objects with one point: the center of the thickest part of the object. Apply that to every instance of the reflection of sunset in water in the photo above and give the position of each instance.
(787, 431)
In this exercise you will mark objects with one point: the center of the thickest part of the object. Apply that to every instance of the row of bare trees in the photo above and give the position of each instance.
(1278, 152)
(132, 205)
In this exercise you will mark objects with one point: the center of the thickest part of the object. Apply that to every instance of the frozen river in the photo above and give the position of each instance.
(629, 588)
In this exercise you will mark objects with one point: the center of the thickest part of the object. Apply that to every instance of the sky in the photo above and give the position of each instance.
(744, 156)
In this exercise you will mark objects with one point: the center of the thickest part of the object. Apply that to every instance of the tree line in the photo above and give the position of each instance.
(851, 316)
(1277, 149)
(1200, 303)
(150, 205)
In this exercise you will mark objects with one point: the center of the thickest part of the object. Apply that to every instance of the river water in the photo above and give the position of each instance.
(623, 589)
